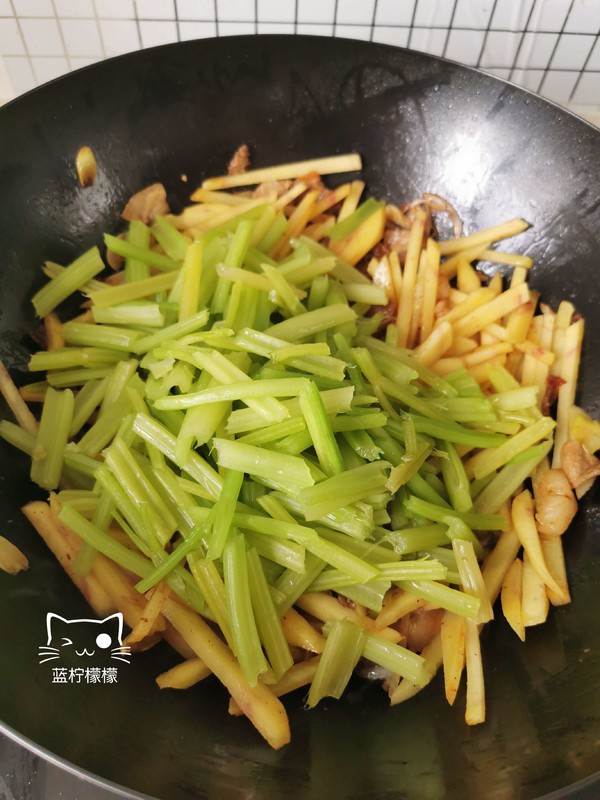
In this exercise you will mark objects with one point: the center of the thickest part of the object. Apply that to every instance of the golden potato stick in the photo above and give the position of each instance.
(34, 392)
(535, 603)
(538, 352)
(351, 200)
(431, 288)
(511, 598)
(486, 338)
(177, 642)
(534, 334)
(193, 216)
(40, 516)
(446, 366)
(523, 520)
(396, 604)
(501, 305)
(318, 230)
(417, 311)
(296, 224)
(529, 372)
(467, 279)
(297, 676)
(475, 710)
(299, 632)
(258, 703)
(518, 321)
(332, 165)
(502, 231)
(569, 370)
(460, 346)
(470, 303)
(53, 327)
(12, 560)
(325, 607)
(288, 197)
(554, 555)
(452, 635)
(225, 198)
(479, 371)
(512, 259)
(563, 319)
(16, 403)
(183, 675)
(520, 275)
(435, 346)
(496, 331)
(331, 198)
(432, 654)
(498, 561)
(409, 277)
(396, 274)
(151, 619)
(486, 353)
(450, 266)
(455, 297)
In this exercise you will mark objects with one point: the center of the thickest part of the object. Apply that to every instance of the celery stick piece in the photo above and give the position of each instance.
(312, 322)
(343, 649)
(128, 292)
(292, 584)
(170, 239)
(245, 638)
(471, 578)
(341, 490)
(397, 659)
(477, 521)
(67, 357)
(84, 335)
(139, 236)
(191, 281)
(320, 430)
(224, 511)
(53, 434)
(455, 479)
(171, 332)
(86, 402)
(458, 602)
(267, 617)
(289, 472)
(146, 256)
(211, 585)
(411, 540)
(288, 555)
(352, 221)
(70, 280)
(236, 391)
(17, 436)
(136, 313)
(453, 432)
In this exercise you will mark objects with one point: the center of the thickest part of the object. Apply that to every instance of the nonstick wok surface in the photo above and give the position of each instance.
(422, 124)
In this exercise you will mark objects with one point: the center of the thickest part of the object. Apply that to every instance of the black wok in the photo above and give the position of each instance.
(422, 124)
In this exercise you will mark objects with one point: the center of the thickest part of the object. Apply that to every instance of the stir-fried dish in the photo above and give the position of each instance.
(298, 436)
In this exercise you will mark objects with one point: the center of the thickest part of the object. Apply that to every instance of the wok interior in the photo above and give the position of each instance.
(421, 124)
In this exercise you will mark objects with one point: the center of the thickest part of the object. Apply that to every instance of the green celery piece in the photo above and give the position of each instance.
(238, 247)
(319, 428)
(195, 466)
(455, 433)
(48, 452)
(267, 618)
(211, 585)
(475, 520)
(490, 460)
(235, 391)
(85, 335)
(137, 313)
(68, 357)
(409, 467)
(172, 241)
(288, 555)
(444, 596)
(362, 444)
(246, 641)
(275, 232)
(471, 578)
(312, 322)
(74, 277)
(224, 511)
(138, 235)
(145, 255)
(341, 490)
(288, 472)
(455, 479)
(171, 332)
(86, 402)
(343, 649)
(343, 271)
(122, 376)
(128, 292)
(181, 551)
(506, 482)
(292, 584)
(397, 659)
(352, 221)
(105, 428)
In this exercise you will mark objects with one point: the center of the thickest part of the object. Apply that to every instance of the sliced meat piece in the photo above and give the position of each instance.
(147, 204)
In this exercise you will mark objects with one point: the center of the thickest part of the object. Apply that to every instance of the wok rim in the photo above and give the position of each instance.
(583, 789)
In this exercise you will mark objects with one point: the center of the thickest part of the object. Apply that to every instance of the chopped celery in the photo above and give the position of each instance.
(344, 647)
(70, 280)
(48, 453)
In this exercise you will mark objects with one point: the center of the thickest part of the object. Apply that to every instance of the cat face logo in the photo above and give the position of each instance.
(85, 638)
